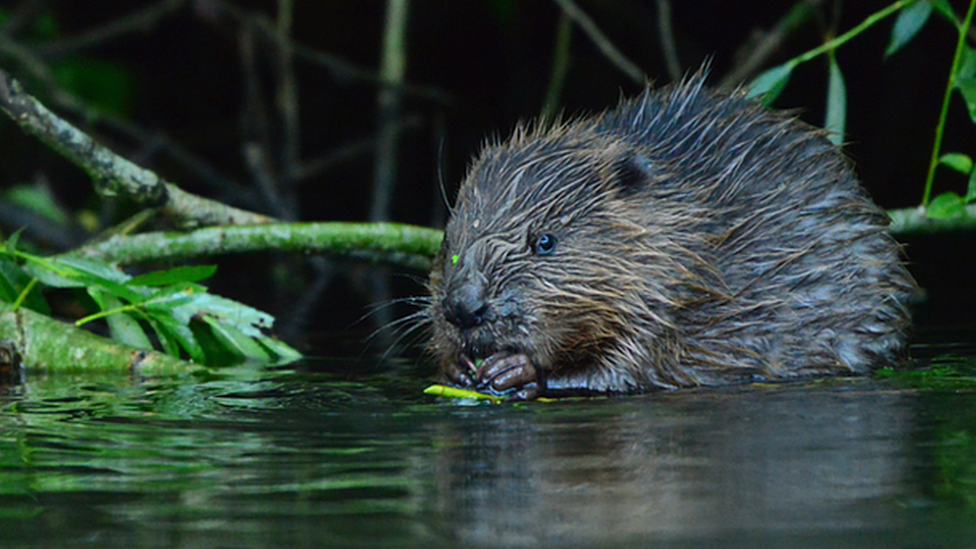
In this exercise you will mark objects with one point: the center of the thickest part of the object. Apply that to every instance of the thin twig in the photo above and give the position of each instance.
(343, 70)
(668, 45)
(560, 65)
(757, 51)
(603, 43)
(262, 173)
(139, 21)
(392, 70)
(256, 126)
(352, 150)
(290, 163)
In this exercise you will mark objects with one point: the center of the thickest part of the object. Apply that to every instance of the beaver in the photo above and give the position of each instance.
(688, 237)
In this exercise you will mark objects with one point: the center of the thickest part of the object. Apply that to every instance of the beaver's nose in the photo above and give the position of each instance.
(465, 307)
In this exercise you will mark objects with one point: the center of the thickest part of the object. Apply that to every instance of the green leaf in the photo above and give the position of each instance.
(74, 272)
(235, 341)
(175, 301)
(182, 334)
(971, 189)
(169, 301)
(945, 206)
(281, 350)
(8, 286)
(236, 328)
(38, 200)
(967, 64)
(124, 328)
(165, 299)
(10, 246)
(960, 162)
(248, 320)
(170, 346)
(48, 277)
(13, 280)
(174, 276)
(453, 392)
(967, 87)
(836, 119)
(944, 8)
(769, 84)
(90, 268)
(911, 19)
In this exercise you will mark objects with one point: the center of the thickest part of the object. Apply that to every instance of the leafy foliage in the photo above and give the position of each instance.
(909, 22)
(912, 17)
(179, 313)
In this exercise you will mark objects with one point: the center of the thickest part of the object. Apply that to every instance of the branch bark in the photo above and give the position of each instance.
(48, 344)
(912, 221)
(404, 245)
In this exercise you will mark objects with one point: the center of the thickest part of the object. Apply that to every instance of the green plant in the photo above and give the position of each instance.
(912, 16)
(181, 314)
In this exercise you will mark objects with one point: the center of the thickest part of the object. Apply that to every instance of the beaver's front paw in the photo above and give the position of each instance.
(511, 375)
(461, 373)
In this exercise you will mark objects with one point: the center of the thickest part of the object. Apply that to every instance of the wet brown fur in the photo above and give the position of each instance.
(701, 240)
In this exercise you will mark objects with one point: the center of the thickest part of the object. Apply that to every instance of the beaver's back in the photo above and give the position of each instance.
(810, 280)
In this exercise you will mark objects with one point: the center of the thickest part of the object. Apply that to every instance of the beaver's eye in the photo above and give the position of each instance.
(545, 245)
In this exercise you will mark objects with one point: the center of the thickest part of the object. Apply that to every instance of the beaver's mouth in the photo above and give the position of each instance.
(470, 365)
(477, 347)
(472, 358)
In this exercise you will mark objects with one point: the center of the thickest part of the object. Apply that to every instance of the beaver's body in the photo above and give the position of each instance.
(685, 238)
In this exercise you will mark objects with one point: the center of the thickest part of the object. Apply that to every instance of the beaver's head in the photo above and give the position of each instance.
(549, 252)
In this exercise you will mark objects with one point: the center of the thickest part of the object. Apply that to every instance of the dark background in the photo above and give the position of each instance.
(476, 67)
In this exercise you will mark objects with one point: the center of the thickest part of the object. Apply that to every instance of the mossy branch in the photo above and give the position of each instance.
(913, 221)
(49, 344)
(405, 245)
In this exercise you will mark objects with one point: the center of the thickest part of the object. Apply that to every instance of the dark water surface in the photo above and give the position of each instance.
(298, 457)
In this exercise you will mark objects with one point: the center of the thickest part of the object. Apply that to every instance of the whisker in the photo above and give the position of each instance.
(376, 308)
(400, 328)
(440, 178)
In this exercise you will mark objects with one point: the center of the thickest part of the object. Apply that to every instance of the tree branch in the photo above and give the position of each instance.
(49, 344)
(111, 174)
(756, 51)
(404, 245)
(601, 41)
(138, 21)
(912, 221)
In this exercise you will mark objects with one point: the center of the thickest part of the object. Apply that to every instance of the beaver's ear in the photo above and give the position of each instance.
(633, 173)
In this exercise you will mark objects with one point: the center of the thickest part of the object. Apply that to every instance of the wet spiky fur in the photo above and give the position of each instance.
(701, 240)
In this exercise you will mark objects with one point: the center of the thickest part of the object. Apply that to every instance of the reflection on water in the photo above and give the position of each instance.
(701, 465)
(279, 459)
